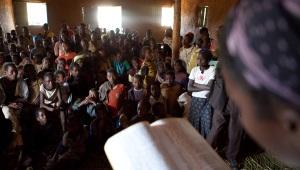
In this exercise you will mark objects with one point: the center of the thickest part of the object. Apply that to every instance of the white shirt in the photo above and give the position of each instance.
(203, 79)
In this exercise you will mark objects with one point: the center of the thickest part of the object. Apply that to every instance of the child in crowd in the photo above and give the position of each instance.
(171, 90)
(137, 92)
(30, 76)
(101, 127)
(61, 65)
(148, 62)
(112, 93)
(60, 79)
(72, 147)
(90, 102)
(50, 98)
(68, 54)
(158, 111)
(156, 97)
(181, 75)
(147, 79)
(135, 63)
(143, 113)
(75, 83)
(200, 81)
(120, 64)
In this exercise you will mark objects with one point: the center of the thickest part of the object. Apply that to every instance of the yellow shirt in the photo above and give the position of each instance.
(152, 68)
(193, 60)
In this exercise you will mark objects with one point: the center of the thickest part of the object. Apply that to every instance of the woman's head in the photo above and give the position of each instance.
(260, 78)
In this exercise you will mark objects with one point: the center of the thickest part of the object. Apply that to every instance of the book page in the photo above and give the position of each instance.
(165, 144)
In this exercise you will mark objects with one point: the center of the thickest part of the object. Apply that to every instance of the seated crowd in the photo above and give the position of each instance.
(63, 95)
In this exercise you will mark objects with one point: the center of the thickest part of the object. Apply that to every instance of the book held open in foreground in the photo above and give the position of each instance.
(167, 144)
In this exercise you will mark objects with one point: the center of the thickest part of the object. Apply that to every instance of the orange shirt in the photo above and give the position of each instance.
(68, 56)
(115, 97)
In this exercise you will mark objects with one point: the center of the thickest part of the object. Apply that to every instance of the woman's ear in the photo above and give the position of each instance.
(289, 119)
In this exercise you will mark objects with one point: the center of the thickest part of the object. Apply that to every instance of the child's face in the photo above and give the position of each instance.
(119, 57)
(177, 67)
(169, 79)
(74, 72)
(60, 79)
(60, 65)
(135, 64)
(46, 64)
(148, 55)
(41, 118)
(137, 84)
(111, 77)
(66, 47)
(201, 61)
(48, 82)
(11, 73)
(155, 91)
(36, 60)
(92, 94)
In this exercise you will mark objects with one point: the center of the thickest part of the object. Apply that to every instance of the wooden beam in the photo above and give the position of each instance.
(176, 30)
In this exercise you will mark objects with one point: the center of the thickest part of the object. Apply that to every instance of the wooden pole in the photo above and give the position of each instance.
(6, 15)
(176, 30)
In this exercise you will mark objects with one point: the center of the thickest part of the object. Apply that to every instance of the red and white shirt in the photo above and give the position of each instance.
(202, 78)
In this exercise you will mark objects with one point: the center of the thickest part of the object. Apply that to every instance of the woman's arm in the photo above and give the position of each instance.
(194, 87)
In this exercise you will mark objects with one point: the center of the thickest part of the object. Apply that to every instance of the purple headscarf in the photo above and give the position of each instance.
(263, 40)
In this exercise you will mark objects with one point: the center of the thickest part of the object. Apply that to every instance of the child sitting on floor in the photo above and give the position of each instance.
(72, 148)
(156, 96)
(60, 78)
(50, 97)
(136, 93)
(89, 102)
(143, 113)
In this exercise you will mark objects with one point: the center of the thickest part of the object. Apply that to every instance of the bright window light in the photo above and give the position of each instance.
(36, 13)
(167, 16)
(110, 17)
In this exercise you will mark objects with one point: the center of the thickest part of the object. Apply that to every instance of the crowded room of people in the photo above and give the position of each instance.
(75, 73)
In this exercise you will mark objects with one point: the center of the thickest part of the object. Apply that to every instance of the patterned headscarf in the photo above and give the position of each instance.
(263, 40)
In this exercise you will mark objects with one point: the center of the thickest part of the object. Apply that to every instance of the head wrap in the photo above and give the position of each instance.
(263, 41)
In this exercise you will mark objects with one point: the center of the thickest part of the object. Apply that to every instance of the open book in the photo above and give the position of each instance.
(167, 144)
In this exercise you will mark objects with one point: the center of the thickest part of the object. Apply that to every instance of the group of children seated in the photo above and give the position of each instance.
(63, 95)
